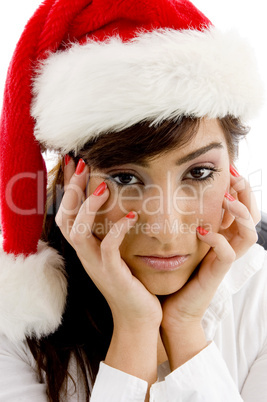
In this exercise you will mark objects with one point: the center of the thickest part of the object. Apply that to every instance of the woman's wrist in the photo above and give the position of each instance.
(183, 342)
(134, 351)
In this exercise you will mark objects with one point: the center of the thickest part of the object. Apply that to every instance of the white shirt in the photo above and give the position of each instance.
(232, 368)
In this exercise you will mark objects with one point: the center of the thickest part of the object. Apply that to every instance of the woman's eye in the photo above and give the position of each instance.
(125, 179)
(201, 173)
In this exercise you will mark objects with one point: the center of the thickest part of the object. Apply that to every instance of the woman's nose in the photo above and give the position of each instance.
(164, 227)
(165, 219)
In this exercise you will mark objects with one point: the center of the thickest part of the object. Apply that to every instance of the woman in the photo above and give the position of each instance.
(146, 283)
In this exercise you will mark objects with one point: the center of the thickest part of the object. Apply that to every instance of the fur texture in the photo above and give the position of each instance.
(32, 293)
(104, 86)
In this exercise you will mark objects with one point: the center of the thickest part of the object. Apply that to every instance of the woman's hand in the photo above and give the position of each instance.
(182, 332)
(130, 302)
(137, 313)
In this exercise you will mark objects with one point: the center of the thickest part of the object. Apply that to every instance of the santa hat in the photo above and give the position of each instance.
(83, 68)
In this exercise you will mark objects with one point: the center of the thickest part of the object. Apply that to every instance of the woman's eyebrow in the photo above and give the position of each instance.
(189, 157)
(198, 152)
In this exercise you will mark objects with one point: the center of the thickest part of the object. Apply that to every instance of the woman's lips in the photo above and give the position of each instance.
(164, 263)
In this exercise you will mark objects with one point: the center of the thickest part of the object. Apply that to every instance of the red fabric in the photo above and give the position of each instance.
(55, 23)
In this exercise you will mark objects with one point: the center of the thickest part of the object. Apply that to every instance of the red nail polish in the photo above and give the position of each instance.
(80, 167)
(66, 159)
(234, 172)
(202, 231)
(100, 189)
(130, 215)
(229, 197)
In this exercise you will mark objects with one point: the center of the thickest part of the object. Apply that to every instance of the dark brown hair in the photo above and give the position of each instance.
(87, 325)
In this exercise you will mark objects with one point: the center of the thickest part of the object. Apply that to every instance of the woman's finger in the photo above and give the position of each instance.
(240, 189)
(244, 232)
(73, 196)
(68, 169)
(111, 243)
(218, 260)
(81, 232)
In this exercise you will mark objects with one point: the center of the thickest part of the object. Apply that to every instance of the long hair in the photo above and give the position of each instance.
(86, 329)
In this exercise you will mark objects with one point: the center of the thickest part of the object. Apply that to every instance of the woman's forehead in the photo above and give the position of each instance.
(209, 136)
(142, 144)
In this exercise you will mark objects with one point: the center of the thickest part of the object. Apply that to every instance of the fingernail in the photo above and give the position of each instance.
(66, 159)
(80, 167)
(202, 231)
(229, 197)
(234, 172)
(131, 215)
(100, 189)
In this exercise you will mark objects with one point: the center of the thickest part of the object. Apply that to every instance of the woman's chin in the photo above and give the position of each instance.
(164, 286)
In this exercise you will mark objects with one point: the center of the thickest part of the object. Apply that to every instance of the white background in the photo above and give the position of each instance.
(249, 18)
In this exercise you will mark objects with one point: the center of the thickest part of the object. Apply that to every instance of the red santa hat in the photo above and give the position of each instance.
(83, 68)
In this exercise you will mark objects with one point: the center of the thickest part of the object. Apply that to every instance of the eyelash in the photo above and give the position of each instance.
(112, 178)
(211, 176)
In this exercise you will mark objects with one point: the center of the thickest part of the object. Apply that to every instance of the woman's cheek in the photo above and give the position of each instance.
(105, 218)
(202, 205)
(212, 210)
(116, 207)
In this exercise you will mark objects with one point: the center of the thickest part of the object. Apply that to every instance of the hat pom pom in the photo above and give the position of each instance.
(33, 292)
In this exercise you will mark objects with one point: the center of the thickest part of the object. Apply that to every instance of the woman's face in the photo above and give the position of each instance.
(173, 194)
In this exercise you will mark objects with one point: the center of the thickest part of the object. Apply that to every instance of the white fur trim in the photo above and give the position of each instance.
(32, 293)
(100, 87)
